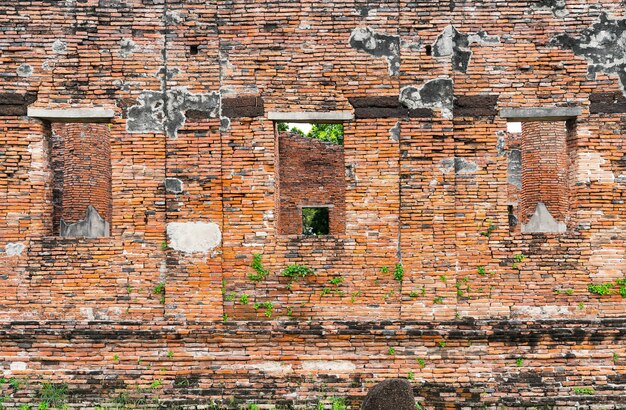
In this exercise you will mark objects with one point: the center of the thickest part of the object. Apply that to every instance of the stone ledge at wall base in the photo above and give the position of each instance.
(391, 394)
(92, 226)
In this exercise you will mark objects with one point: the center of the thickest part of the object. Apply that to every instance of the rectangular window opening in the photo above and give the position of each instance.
(315, 221)
(538, 175)
(80, 162)
(331, 133)
(311, 178)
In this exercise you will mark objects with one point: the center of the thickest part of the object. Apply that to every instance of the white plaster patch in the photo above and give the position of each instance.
(192, 237)
(18, 366)
(541, 312)
(14, 248)
(590, 169)
(59, 46)
(543, 221)
(273, 367)
(606, 264)
(25, 70)
(87, 313)
(328, 365)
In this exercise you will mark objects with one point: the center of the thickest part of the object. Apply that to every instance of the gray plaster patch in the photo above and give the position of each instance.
(14, 248)
(193, 237)
(463, 166)
(456, 45)
(557, 7)
(514, 169)
(173, 17)
(447, 165)
(156, 111)
(603, 45)
(394, 132)
(224, 123)
(336, 366)
(25, 70)
(59, 46)
(437, 93)
(458, 165)
(543, 221)
(127, 47)
(501, 143)
(173, 185)
(378, 45)
(92, 226)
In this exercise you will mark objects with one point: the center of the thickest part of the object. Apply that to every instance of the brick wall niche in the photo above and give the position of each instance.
(311, 174)
(80, 160)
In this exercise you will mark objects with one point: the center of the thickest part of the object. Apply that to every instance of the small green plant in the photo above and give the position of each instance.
(398, 272)
(391, 351)
(15, 383)
(413, 294)
(569, 292)
(441, 343)
(230, 296)
(260, 271)
(253, 407)
(354, 296)
(438, 299)
(410, 375)
(53, 394)
(295, 272)
(24, 407)
(384, 269)
(156, 384)
(615, 358)
(388, 294)
(116, 358)
(159, 289)
(519, 362)
(518, 258)
(244, 299)
(290, 311)
(581, 306)
(170, 354)
(490, 228)
(420, 361)
(443, 278)
(339, 404)
(338, 280)
(481, 270)
(459, 289)
(325, 291)
(600, 289)
(164, 246)
(621, 283)
(584, 390)
(225, 317)
(268, 306)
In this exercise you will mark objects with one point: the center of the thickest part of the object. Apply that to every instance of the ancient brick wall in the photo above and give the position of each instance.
(427, 254)
(310, 173)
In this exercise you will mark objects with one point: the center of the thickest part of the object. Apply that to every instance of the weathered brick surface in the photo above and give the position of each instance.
(425, 179)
